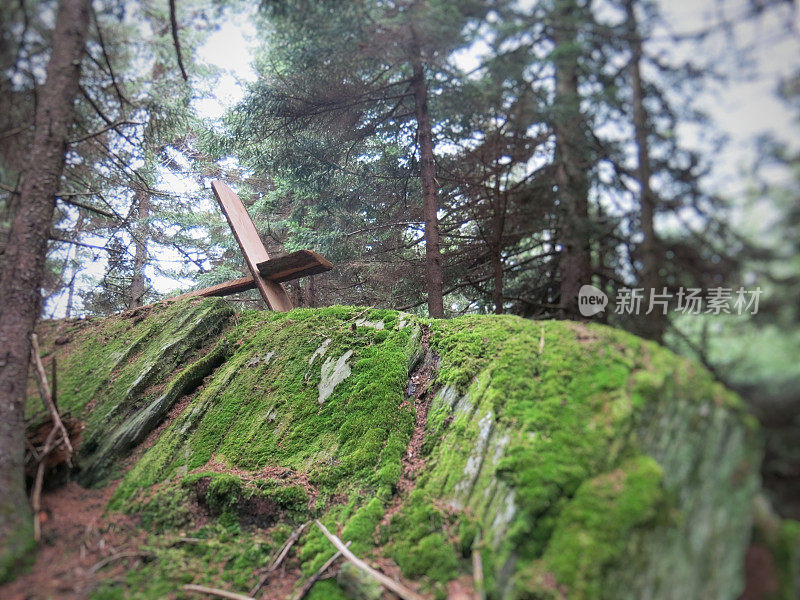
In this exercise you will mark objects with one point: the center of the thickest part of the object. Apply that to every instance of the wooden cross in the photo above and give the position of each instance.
(267, 273)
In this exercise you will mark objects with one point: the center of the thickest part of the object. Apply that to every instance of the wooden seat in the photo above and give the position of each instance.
(293, 266)
(266, 273)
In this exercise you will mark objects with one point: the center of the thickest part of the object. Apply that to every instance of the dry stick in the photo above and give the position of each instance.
(477, 570)
(283, 553)
(215, 592)
(109, 559)
(34, 452)
(388, 583)
(36, 493)
(54, 383)
(315, 577)
(44, 390)
(175, 39)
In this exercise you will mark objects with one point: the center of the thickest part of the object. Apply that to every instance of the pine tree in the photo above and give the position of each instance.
(350, 106)
(23, 267)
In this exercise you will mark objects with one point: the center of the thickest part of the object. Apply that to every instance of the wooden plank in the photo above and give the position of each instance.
(293, 266)
(221, 289)
(252, 247)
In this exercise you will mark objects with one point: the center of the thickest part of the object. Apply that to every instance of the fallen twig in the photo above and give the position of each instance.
(188, 540)
(109, 559)
(36, 492)
(215, 592)
(279, 559)
(388, 583)
(32, 449)
(309, 583)
(44, 391)
(541, 341)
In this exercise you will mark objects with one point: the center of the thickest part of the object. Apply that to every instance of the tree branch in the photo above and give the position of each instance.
(174, 24)
(89, 136)
(88, 207)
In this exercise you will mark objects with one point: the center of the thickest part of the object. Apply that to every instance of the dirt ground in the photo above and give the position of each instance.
(79, 545)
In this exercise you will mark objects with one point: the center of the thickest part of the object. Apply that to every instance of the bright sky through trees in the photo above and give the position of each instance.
(743, 104)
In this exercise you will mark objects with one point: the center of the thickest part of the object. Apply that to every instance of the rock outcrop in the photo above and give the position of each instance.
(576, 461)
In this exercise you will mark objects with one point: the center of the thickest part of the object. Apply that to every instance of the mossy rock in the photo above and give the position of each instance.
(578, 461)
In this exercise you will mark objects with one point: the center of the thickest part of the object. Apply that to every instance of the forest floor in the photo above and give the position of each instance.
(80, 544)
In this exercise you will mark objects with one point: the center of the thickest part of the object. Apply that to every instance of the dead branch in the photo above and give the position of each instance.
(309, 583)
(388, 583)
(215, 592)
(173, 19)
(109, 559)
(77, 204)
(54, 381)
(122, 99)
(36, 492)
(279, 559)
(89, 136)
(49, 402)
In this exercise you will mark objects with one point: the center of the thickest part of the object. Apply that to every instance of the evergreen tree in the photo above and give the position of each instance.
(23, 268)
(345, 100)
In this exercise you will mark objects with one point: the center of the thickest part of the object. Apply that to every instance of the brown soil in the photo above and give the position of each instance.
(281, 583)
(76, 536)
(413, 460)
(419, 384)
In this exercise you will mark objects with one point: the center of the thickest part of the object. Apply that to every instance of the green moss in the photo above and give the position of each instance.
(167, 508)
(327, 590)
(115, 367)
(291, 498)
(315, 548)
(362, 525)
(593, 529)
(551, 439)
(786, 551)
(213, 557)
(223, 492)
(17, 552)
(260, 413)
(417, 544)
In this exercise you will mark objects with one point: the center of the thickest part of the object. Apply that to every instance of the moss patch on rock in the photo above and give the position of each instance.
(578, 460)
(121, 375)
(531, 416)
(257, 413)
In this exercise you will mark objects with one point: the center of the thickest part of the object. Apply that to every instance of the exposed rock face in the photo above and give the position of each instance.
(578, 461)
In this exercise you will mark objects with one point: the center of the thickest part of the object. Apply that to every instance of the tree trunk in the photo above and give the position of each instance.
(310, 293)
(433, 254)
(71, 291)
(140, 257)
(572, 167)
(498, 228)
(23, 269)
(655, 322)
